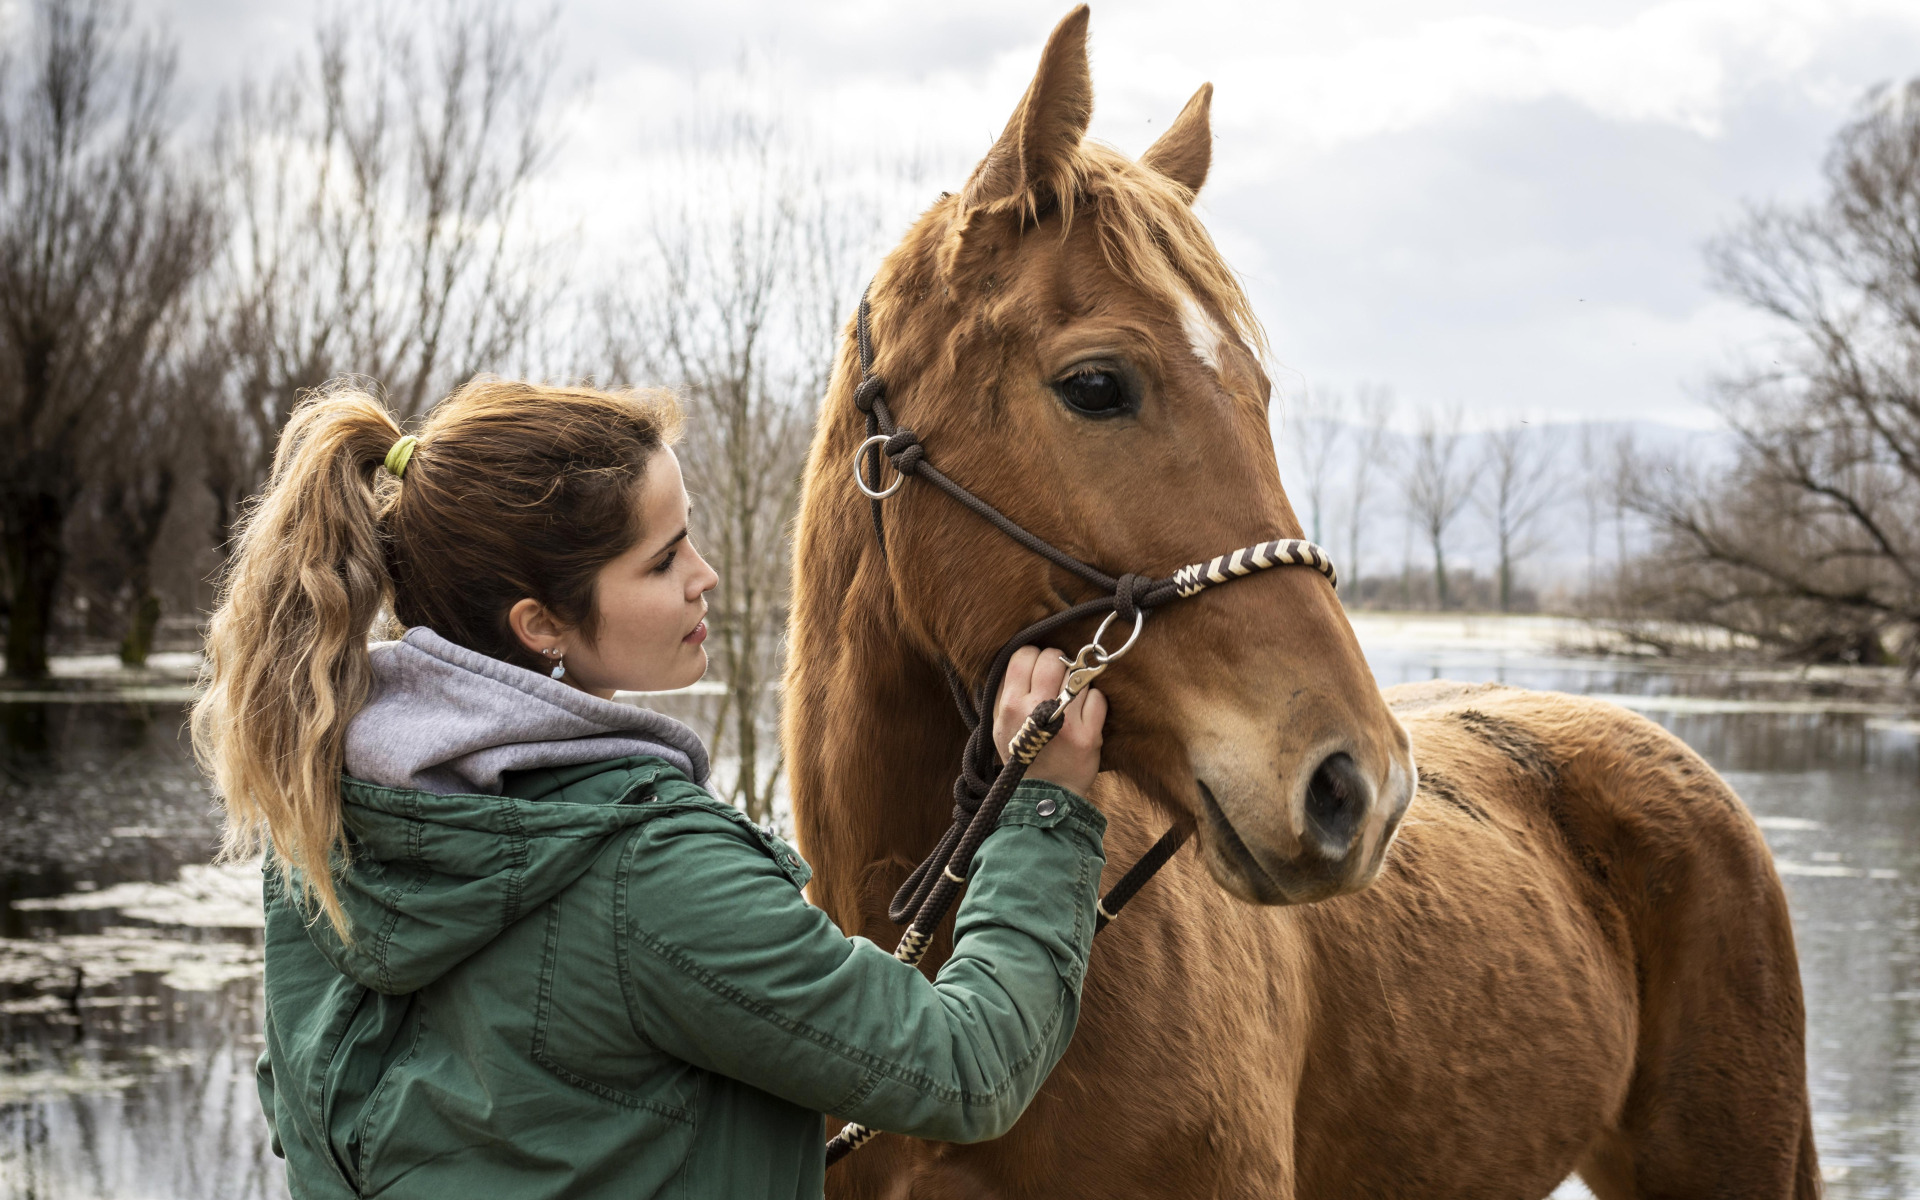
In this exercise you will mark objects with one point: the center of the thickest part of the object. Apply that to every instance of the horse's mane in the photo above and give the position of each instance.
(1150, 236)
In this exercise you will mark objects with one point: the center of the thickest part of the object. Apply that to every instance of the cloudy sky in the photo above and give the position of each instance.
(1494, 205)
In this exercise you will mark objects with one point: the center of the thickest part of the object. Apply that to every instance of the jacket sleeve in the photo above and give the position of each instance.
(728, 967)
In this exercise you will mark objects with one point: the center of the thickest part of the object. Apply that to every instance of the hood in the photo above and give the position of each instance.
(434, 878)
(477, 791)
(445, 719)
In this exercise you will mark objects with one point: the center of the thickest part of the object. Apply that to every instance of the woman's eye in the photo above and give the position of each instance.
(666, 564)
(1096, 393)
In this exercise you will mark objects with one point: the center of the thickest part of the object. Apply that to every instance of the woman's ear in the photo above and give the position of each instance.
(537, 628)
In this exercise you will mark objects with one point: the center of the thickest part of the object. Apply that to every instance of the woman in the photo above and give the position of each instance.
(514, 947)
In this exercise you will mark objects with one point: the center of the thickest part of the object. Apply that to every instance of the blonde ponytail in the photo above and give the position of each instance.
(286, 662)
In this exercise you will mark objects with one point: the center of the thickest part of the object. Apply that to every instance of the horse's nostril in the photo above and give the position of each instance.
(1336, 801)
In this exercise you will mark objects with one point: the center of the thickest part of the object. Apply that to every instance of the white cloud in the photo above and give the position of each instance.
(1677, 63)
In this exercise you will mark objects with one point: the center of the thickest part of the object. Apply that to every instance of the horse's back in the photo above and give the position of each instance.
(1577, 953)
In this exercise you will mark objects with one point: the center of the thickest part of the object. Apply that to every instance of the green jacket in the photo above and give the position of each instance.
(605, 983)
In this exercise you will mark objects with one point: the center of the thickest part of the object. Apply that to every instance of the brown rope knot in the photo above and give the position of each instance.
(873, 387)
(1126, 595)
(905, 450)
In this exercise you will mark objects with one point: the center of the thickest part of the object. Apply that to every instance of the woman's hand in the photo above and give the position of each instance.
(1072, 758)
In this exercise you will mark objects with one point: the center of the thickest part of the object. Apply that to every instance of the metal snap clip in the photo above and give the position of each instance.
(1095, 658)
(1047, 807)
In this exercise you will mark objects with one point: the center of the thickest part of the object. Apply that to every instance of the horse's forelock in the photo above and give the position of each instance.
(1148, 235)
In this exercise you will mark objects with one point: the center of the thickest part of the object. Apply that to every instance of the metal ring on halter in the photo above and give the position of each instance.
(1108, 656)
(860, 480)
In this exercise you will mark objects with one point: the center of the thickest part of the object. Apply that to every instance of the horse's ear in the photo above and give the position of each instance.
(1035, 152)
(1185, 150)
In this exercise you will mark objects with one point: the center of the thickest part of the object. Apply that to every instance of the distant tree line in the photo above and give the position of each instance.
(1411, 504)
(104, 233)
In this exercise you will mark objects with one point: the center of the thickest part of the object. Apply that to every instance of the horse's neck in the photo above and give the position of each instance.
(873, 744)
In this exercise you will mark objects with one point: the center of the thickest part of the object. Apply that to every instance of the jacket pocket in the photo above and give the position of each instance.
(369, 1040)
(583, 1037)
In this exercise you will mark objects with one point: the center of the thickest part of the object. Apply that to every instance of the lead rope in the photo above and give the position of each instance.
(980, 793)
(955, 852)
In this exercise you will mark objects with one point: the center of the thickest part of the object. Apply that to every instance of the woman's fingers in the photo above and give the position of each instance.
(1033, 674)
(1091, 718)
(1085, 716)
(1019, 679)
(1049, 672)
(1072, 757)
(1011, 707)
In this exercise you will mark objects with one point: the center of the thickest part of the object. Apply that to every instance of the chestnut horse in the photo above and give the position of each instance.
(1576, 956)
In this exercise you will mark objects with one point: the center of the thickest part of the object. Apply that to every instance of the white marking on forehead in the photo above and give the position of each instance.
(1202, 333)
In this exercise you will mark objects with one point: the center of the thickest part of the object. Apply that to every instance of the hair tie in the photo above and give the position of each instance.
(401, 455)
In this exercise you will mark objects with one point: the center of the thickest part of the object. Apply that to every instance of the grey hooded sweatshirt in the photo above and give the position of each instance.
(448, 720)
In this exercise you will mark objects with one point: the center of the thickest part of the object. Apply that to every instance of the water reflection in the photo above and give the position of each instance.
(129, 1028)
(1845, 831)
(129, 995)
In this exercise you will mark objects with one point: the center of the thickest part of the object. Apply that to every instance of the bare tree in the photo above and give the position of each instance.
(1810, 541)
(1627, 465)
(748, 278)
(101, 236)
(1518, 470)
(1596, 490)
(1373, 407)
(1437, 485)
(1407, 531)
(379, 192)
(139, 458)
(1313, 438)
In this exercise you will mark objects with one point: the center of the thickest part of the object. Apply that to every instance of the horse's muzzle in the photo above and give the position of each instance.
(1327, 839)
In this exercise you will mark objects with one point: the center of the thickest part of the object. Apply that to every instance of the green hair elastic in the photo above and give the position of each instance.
(401, 455)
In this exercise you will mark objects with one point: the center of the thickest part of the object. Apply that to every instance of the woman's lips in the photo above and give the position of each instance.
(698, 635)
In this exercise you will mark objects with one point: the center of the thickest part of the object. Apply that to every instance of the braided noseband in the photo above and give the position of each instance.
(982, 789)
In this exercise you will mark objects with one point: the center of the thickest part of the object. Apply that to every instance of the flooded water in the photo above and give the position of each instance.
(129, 993)
(129, 970)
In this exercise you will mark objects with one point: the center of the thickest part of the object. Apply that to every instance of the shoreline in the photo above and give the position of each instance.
(1515, 639)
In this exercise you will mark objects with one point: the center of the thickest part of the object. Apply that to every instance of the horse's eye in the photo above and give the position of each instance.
(1094, 392)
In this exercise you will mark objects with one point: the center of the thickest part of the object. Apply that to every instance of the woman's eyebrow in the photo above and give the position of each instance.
(676, 539)
(670, 543)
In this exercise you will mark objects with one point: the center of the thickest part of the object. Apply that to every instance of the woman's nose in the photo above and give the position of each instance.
(704, 580)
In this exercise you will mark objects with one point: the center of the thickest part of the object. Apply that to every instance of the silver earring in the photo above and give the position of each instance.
(559, 668)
